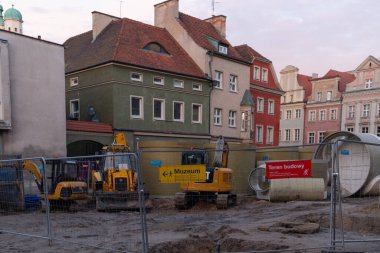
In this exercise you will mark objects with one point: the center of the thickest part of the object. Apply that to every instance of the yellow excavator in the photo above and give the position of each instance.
(63, 185)
(115, 183)
(218, 185)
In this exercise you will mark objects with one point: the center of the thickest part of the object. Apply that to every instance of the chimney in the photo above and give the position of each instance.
(164, 11)
(219, 22)
(99, 22)
(314, 75)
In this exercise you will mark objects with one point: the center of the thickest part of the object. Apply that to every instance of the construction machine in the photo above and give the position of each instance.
(115, 183)
(63, 186)
(218, 185)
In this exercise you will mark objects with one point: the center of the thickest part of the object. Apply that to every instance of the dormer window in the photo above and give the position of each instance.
(223, 49)
(155, 47)
(368, 83)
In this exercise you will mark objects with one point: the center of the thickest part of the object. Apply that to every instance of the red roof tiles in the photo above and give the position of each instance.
(248, 53)
(201, 30)
(123, 41)
(345, 78)
(85, 126)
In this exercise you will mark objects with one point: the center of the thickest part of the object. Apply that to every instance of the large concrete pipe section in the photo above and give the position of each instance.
(359, 163)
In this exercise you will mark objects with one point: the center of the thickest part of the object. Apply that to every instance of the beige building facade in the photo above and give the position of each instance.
(205, 42)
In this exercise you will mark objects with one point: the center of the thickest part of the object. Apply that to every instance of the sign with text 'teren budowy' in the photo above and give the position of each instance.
(183, 173)
(288, 169)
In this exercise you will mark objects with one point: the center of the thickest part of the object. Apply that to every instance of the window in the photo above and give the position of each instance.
(288, 135)
(291, 98)
(155, 47)
(270, 106)
(158, 109)
(365, 113)
(365, 130)
(259, 134)
(256, 73)
(178, 83)
(223, 49)
(311, 138)
(232, 119)
(319, 96)
(312, 116)
(233, 83)
(280, 135)
(244, 121)
(368, 83)
(378, 110)
(322, 115)
(350, 129)
(197, 113)
(136, 107)
(269, 135)
(136, 77)
(197, 86)
(297, 134)
(158, 80)
(333, 114)
(217, 116)
(264, 75)
(329, 95)
(74, 109)
(178, 111)
(351, 111)
(298, 113)
(378, 131)
(74, 81)
(280, 114)
(288, 114)
(321, 136)
(218, 80)
(260, 104)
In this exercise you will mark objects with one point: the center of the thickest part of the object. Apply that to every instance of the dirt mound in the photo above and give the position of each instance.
(292, 228)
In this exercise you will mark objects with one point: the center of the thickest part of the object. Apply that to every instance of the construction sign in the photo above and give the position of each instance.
(289, 169)
(183, 173)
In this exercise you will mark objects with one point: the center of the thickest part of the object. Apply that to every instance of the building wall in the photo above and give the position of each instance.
(36, 71)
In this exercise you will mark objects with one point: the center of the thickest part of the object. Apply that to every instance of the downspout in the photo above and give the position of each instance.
(212, 87)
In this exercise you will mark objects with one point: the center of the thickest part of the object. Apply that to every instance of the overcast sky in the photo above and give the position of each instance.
(313, 35)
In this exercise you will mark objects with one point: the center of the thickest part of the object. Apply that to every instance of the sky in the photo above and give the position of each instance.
(313, 35)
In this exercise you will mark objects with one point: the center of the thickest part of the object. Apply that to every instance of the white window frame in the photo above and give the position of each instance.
(319, 96)
(244, 120)
(74, 114)
(233, 83)
(182, 112)
(74, 81)
(368, 83)
(321, 136)
(314, 114)
(139, 79)
(298, 113)
(270, 131)
(162, 109)
(223, 49)
(141, 107)
(288, 134)
(264, 75)
(256, 72)
(260, 104)
(196, 86)
(378, 131)
(322, 115)
(218, 79)
(259, 133)
(309, 136)
(232, 118)
(297, 134)
(366, 110)
(161, 82)
(333, 114)
(351, 111)
(270, 106)
(199, 121)
(288, 114)
(329, 96)
(366, 128)
(178, 83)
(350, 129)
(218, 116)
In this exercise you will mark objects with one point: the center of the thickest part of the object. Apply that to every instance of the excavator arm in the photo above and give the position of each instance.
(33, 169)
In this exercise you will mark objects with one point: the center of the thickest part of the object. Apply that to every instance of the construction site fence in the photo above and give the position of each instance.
(255, 224)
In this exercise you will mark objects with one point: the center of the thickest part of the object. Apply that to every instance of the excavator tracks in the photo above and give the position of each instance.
(224, 201)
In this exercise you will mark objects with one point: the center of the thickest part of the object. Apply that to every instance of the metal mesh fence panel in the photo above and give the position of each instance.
(186, 216)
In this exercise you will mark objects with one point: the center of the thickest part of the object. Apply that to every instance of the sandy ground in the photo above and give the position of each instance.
(252, 225)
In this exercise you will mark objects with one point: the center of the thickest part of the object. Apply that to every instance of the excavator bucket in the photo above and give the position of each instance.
(120, 201)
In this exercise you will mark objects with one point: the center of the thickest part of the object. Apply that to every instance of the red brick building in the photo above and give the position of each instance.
(266, 93)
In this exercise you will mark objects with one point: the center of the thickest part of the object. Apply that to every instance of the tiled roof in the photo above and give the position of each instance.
(248, 53)
(200, 30)
(345, 78)
(86, 126)
(304, 81)
(123, 41)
